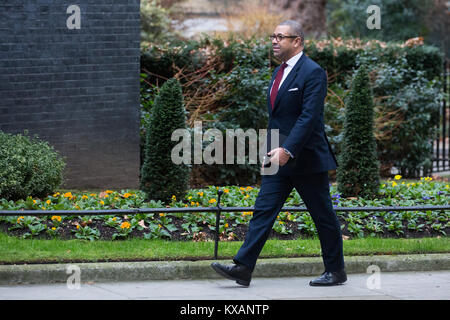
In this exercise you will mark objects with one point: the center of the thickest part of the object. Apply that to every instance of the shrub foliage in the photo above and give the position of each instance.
(225, 86)
(160, 177)
(358, 172)
(28, 167)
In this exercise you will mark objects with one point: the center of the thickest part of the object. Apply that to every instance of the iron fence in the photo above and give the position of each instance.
(441, 158)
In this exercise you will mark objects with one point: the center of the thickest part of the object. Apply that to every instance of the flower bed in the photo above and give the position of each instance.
(200, 226)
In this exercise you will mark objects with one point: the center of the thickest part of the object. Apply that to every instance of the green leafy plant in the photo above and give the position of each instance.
(157, 231)
(306, 224)
(373, 226)
(413, 225)
(53, 231)
(123, 230)
(395, 226)
(86, 233)
(280, 227)
(28, 167)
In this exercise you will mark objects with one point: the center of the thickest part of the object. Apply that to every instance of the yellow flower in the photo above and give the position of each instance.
(56, 194)
(126, 195)
(43, 208)
(92, 194)
(161, 214)
(58, 218)
(193, 203)
(34, 201)
(186, 205)
(197, 204)
(226, 190)
(101, 202)
(190, 197)
(48, 202)
(200, 194)
(109, 191)
(383, 185)
(393, 183)
(212, 200)
(226, 225)
(249, 188)
(280, 222)
(397, 177)
(159, 226)
(68, 195)
(174, 198)
(19, 219)
(53, 228)
(78, 226)
(125, 225)
(447, 186)
(84, 197)
(246, 196)
(114, 219)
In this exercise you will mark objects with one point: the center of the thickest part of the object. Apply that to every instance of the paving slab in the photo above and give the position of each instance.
(196, 270)
(428, 285)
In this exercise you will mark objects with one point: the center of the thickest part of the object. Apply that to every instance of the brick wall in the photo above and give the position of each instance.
(76, 88)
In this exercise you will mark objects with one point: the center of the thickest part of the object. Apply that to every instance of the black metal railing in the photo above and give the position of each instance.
(441, 159)
(218, 209)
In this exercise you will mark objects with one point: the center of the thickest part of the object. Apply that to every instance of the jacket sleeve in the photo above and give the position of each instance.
(314, 93)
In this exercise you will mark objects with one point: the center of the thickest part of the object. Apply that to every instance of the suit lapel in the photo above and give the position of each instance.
(287, 82)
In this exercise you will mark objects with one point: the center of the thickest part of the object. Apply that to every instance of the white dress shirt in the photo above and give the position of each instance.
(290, 64)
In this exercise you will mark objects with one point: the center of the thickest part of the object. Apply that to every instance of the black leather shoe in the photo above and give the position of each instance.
(237, 272)
(330, 279)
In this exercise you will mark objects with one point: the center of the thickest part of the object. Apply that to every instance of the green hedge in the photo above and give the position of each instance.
(405, 81)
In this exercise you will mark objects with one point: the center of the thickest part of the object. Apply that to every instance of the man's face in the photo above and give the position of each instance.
(288, 47)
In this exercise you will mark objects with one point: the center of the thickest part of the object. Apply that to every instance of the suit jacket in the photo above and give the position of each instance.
(298, 115)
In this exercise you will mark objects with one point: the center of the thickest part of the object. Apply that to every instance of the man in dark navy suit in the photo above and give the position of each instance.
(295, 97)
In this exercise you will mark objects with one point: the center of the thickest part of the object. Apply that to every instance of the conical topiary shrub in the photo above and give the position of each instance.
(160, 177)
(358, 171)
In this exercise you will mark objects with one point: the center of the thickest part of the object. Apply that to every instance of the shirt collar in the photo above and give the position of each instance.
(292, 61)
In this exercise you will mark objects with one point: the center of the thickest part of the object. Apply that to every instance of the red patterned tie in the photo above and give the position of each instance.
(276, 83)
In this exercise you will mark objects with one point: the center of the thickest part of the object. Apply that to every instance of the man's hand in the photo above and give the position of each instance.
(278, 156)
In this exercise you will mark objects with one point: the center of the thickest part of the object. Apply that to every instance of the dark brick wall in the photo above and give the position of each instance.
(76, 88)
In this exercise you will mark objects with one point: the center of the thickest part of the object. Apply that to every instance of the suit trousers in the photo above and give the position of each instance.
(314, 190)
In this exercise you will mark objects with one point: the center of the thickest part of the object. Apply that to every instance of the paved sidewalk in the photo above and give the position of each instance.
(433, 285)
(201, 270)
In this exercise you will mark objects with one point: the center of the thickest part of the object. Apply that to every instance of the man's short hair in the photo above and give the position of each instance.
(296, 28)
